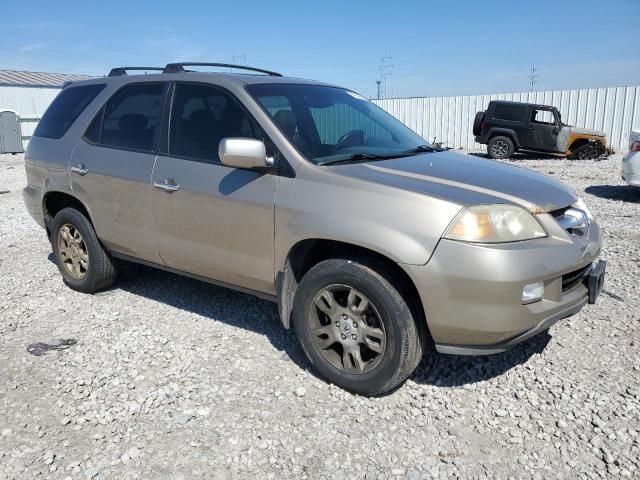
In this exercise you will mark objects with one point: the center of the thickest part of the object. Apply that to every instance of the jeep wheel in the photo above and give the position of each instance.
(588, 151)
(500, 147)
(355, 328)
(83, 262)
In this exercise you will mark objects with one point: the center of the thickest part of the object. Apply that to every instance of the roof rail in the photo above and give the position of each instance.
(122, 71)
(179, 67)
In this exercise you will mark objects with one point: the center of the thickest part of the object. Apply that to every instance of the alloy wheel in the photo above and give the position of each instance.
(73, 251)
(347, 329)
(500, 148)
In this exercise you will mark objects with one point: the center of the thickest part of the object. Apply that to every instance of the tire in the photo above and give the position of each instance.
(588, 151)
(388, 320)
(87, 267)
(500, 147)
(477, 123)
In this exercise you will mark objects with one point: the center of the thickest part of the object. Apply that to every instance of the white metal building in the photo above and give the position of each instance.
(30, 93)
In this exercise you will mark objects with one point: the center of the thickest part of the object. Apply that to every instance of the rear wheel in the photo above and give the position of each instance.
(83, 262)
(500, 147)
(355, 328)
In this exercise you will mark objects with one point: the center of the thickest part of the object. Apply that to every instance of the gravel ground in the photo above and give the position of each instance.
(174, 378)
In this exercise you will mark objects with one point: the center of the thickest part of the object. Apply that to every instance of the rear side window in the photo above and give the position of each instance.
(130, 119)
(64, 110)
(512, 113)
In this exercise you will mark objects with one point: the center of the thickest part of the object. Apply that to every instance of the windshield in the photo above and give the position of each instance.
(329, 124)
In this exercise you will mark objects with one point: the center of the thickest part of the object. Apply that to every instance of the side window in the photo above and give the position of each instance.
(511, 113)
(201, 116)
(64, 110)
(544, 117)
(131, 118)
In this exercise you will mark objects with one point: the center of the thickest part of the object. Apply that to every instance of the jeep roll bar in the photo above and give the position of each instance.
(179, 67)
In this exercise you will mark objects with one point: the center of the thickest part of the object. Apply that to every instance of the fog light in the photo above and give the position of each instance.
(532, 292)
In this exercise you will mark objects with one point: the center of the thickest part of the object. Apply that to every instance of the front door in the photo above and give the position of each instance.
(212, 220)
(541, 131)
(111, 169)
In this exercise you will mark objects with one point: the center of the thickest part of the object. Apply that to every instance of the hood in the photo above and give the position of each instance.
(465, 180)
(586, 131)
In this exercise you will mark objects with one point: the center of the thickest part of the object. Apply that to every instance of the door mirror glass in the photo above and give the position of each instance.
(243, 152)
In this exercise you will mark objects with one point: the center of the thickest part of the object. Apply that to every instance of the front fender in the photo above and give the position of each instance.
(403, 226)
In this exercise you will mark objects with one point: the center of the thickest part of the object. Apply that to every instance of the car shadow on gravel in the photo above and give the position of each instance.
(261, 316)
(454, 370)
(615, 192)
(210, 301)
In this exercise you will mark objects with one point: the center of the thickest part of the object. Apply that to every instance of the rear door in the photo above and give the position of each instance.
(111, 169)
(542, 130)
(212, 220)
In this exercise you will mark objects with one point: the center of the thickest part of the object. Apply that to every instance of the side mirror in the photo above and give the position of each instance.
(244, 153)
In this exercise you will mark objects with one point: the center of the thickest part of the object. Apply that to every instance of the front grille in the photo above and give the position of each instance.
(571, 279)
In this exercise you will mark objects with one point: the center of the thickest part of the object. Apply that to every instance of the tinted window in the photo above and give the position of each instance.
(513, 113)
(64, 110)
(329, 124)
(201, 117)
(132, 117)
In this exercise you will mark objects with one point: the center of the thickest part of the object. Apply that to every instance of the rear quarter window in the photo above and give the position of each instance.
(511, 113)
(65, 109)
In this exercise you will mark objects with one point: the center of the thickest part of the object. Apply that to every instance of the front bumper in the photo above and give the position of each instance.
(472, 294)
(631, 169)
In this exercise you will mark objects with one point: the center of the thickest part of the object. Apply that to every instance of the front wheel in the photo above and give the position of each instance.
(355, 328)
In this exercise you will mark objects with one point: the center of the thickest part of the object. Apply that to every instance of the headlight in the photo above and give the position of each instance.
(494, 224)
(582, 206)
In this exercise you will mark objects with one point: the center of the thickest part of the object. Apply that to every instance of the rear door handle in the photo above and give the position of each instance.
(80, 169)
(168, 185)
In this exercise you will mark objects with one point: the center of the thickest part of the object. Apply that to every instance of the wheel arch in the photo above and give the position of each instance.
(55, 200)
(579, 141)
(504, 132)
(303, 255)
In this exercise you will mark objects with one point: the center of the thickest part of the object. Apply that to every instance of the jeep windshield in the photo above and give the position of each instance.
(330, 125)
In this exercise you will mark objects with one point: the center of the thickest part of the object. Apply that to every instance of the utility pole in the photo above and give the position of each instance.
(385, 68)
(532, 77)
(378, 82)
(238, 60)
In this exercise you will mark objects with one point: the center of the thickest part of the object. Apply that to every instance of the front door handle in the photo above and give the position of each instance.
(80, 169)
(168, 185)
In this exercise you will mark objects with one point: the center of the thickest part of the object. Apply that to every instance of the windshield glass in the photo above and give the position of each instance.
(329, 124)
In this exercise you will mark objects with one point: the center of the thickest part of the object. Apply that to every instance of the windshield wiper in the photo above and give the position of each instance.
(362, 157)
(422, 149)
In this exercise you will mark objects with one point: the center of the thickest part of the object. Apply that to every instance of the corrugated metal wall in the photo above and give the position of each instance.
(29, 102)
(613, 110)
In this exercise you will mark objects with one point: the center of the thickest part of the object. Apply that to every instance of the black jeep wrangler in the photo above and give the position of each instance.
(508, 127)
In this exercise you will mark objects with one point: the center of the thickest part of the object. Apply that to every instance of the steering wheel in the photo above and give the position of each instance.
(353, 138)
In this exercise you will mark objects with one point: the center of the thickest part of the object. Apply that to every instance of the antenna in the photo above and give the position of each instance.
(532, 77)
(385, 68)
(378, 82)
